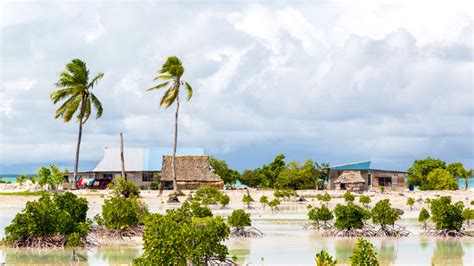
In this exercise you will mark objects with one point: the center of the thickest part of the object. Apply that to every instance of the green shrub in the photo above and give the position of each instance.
(247, 199)
(348, 197)
(322, 214)
(273, 204)
(364, 254)
(324, 259)
(365, 200)
(178, 237)
(99, 220)
(208, 196)
(468, 215)
(239, 218)
(447, 216)
(51, 176)
(264, 200)
(200, 211)
(287, 193)
(125, 188)
(382, 189)
(154, 185)
(23, 178)
(326, 198)
(424, 216)
(350, 216)
(120, 213)
(384, 214)
(224, 200)
(410, 202)
(62, 214)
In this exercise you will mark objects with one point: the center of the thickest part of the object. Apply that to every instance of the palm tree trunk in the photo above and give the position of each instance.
(173, 165)
(76, 162)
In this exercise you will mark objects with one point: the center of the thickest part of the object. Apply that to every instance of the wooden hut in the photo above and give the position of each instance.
(192, 172)
(351, 181)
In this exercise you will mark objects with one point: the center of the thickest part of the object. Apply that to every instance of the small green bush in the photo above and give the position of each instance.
(207, 196)
(154, 185)
(410, 202)
(200, 211)
(364, 254)
(224, 200)
(239, 218)
(263, 200)
(61, 214)
(247, 199)
(324, 259)
(273, 204)
(423, 217)
(384, 214)
(178, 237)
(322, 214)
(350, 216)
(348, 197)
(365, 200)
(326, 198)
(125, 188)
(120, 212)
(447, 216)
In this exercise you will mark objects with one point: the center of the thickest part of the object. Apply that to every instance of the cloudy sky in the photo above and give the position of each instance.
(337, 81)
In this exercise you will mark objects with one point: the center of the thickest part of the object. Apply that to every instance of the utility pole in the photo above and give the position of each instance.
(122, 157)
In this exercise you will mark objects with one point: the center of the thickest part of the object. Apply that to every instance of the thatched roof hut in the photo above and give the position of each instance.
(350, 177)
(191, 172)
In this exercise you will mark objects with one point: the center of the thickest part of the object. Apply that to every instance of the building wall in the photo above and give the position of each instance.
(135, 177)
(397, 179)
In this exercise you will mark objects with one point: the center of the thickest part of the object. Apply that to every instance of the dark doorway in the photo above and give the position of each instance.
(343, 186)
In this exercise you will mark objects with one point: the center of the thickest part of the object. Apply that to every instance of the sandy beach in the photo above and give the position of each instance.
(289, 209)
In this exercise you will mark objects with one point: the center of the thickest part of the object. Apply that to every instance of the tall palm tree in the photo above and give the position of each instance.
(75, 88)
(171, 76)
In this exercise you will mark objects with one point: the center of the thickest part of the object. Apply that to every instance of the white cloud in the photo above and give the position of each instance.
(333, 79)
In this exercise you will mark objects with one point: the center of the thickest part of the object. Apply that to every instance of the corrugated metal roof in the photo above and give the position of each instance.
(365, 165)
(139, 159)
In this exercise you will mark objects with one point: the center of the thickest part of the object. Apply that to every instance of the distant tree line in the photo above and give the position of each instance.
(434, 174)
(277, 175)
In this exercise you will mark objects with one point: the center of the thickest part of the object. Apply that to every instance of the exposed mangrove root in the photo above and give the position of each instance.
(396, 230)
(447, 233)
(352, 232)
(217, 262)
(57, 241)
(246, 232)
(102, 232)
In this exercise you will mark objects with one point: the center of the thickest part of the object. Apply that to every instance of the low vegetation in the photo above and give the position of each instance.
(211, 196)
(180, 238)
(447, 217)
(384, 215)
(56, 220)
(365, 200)
(125, 188)
(434, 174)
(320, 217)
(241, 225)
(324, 259)
(364, 254)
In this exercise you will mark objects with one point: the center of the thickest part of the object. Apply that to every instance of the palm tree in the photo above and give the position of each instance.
(171, 74)
(75, 88)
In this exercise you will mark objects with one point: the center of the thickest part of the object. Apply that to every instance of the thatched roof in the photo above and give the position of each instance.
(350, 177)
(189, 168)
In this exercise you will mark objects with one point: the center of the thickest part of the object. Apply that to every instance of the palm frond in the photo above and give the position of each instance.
(95, 80)
(97, 106)
(164, 76)
(169, 99)
(65, 80)
(165, 96)
(79, 71)
(159, 86)
(59, 95)
(71, 108)
(189, 91)
(60, 111)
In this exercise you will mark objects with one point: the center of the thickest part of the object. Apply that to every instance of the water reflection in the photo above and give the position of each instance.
(344, 249)
(115, 256)
(448, 252)
(387, 253)
(41, 256)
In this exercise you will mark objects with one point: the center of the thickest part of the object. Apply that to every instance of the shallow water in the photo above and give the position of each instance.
(284, 243)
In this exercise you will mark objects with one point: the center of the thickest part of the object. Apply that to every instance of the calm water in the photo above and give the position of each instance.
(285, 243)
